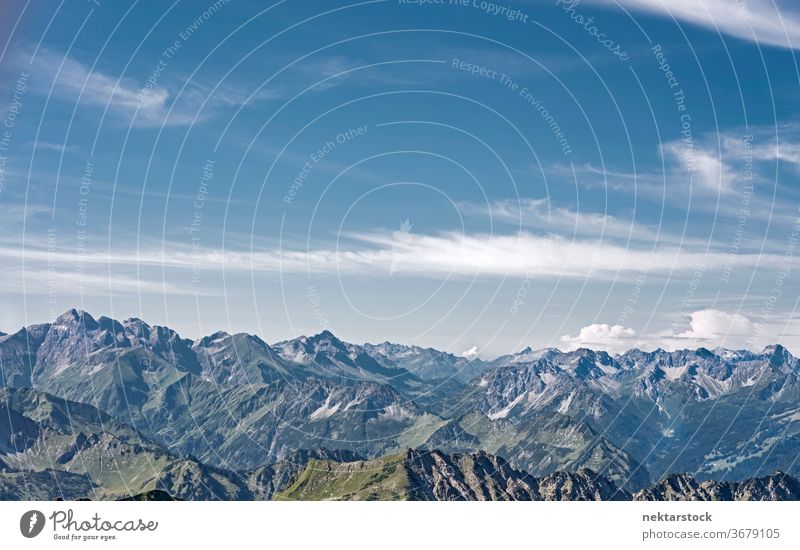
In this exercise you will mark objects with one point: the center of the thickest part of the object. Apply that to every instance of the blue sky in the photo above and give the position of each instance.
(464, 175)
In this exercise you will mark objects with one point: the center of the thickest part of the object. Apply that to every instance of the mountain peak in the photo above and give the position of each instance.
(75, 316)
(135, 321)
(111, 325)
(206, 341)
(327, 337)
(774, 349)
(779, 357)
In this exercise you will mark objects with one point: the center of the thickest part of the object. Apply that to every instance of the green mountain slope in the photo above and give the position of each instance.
(433, 475)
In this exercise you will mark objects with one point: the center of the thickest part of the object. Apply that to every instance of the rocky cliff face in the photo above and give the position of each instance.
(582, 485)
(195, 397)
(482, 476)
(777, 486)
(434, 475)
(426, 363)
(51, 448)
(236, 402)
(68, 450)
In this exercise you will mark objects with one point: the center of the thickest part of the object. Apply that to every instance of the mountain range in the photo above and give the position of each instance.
(105, 409)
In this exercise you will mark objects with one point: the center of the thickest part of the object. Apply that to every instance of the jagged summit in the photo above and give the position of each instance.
(233, 398)
(135, 325)
(433, 475)
(683, 486)
(76, 316)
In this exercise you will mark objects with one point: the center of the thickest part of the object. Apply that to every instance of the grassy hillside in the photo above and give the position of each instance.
(385, 478)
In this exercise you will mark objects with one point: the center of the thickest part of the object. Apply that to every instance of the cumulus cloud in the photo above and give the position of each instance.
(612, 338)
(471, 353)
(764, 21)
(719, 328)
(709, 328)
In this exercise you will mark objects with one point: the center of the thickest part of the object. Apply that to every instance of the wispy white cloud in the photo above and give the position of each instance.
(142, 104)
(383, 254)
(767, 22)
(318, 74)
(784, 151)
(43, 280)
(326, 72)
(541, 214)
(72, 80)
(718, 163)
(705, 166)
(57, 147)
(225, 95)
(518, 255)
(724, 167)
(15, 214)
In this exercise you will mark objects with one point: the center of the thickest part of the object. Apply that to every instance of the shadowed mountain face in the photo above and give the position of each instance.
(432, 475)
(427, 363)
(70, 450)
(645, 415)
(66, 450)
(93, 457)
(778, 486)
(229, 399)
(237, 403)
(54, 448)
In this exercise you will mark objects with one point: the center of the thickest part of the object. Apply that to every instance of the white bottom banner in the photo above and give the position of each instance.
(400, 525)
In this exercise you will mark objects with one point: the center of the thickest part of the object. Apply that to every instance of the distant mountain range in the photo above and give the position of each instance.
(96, 408)
(58, 449)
